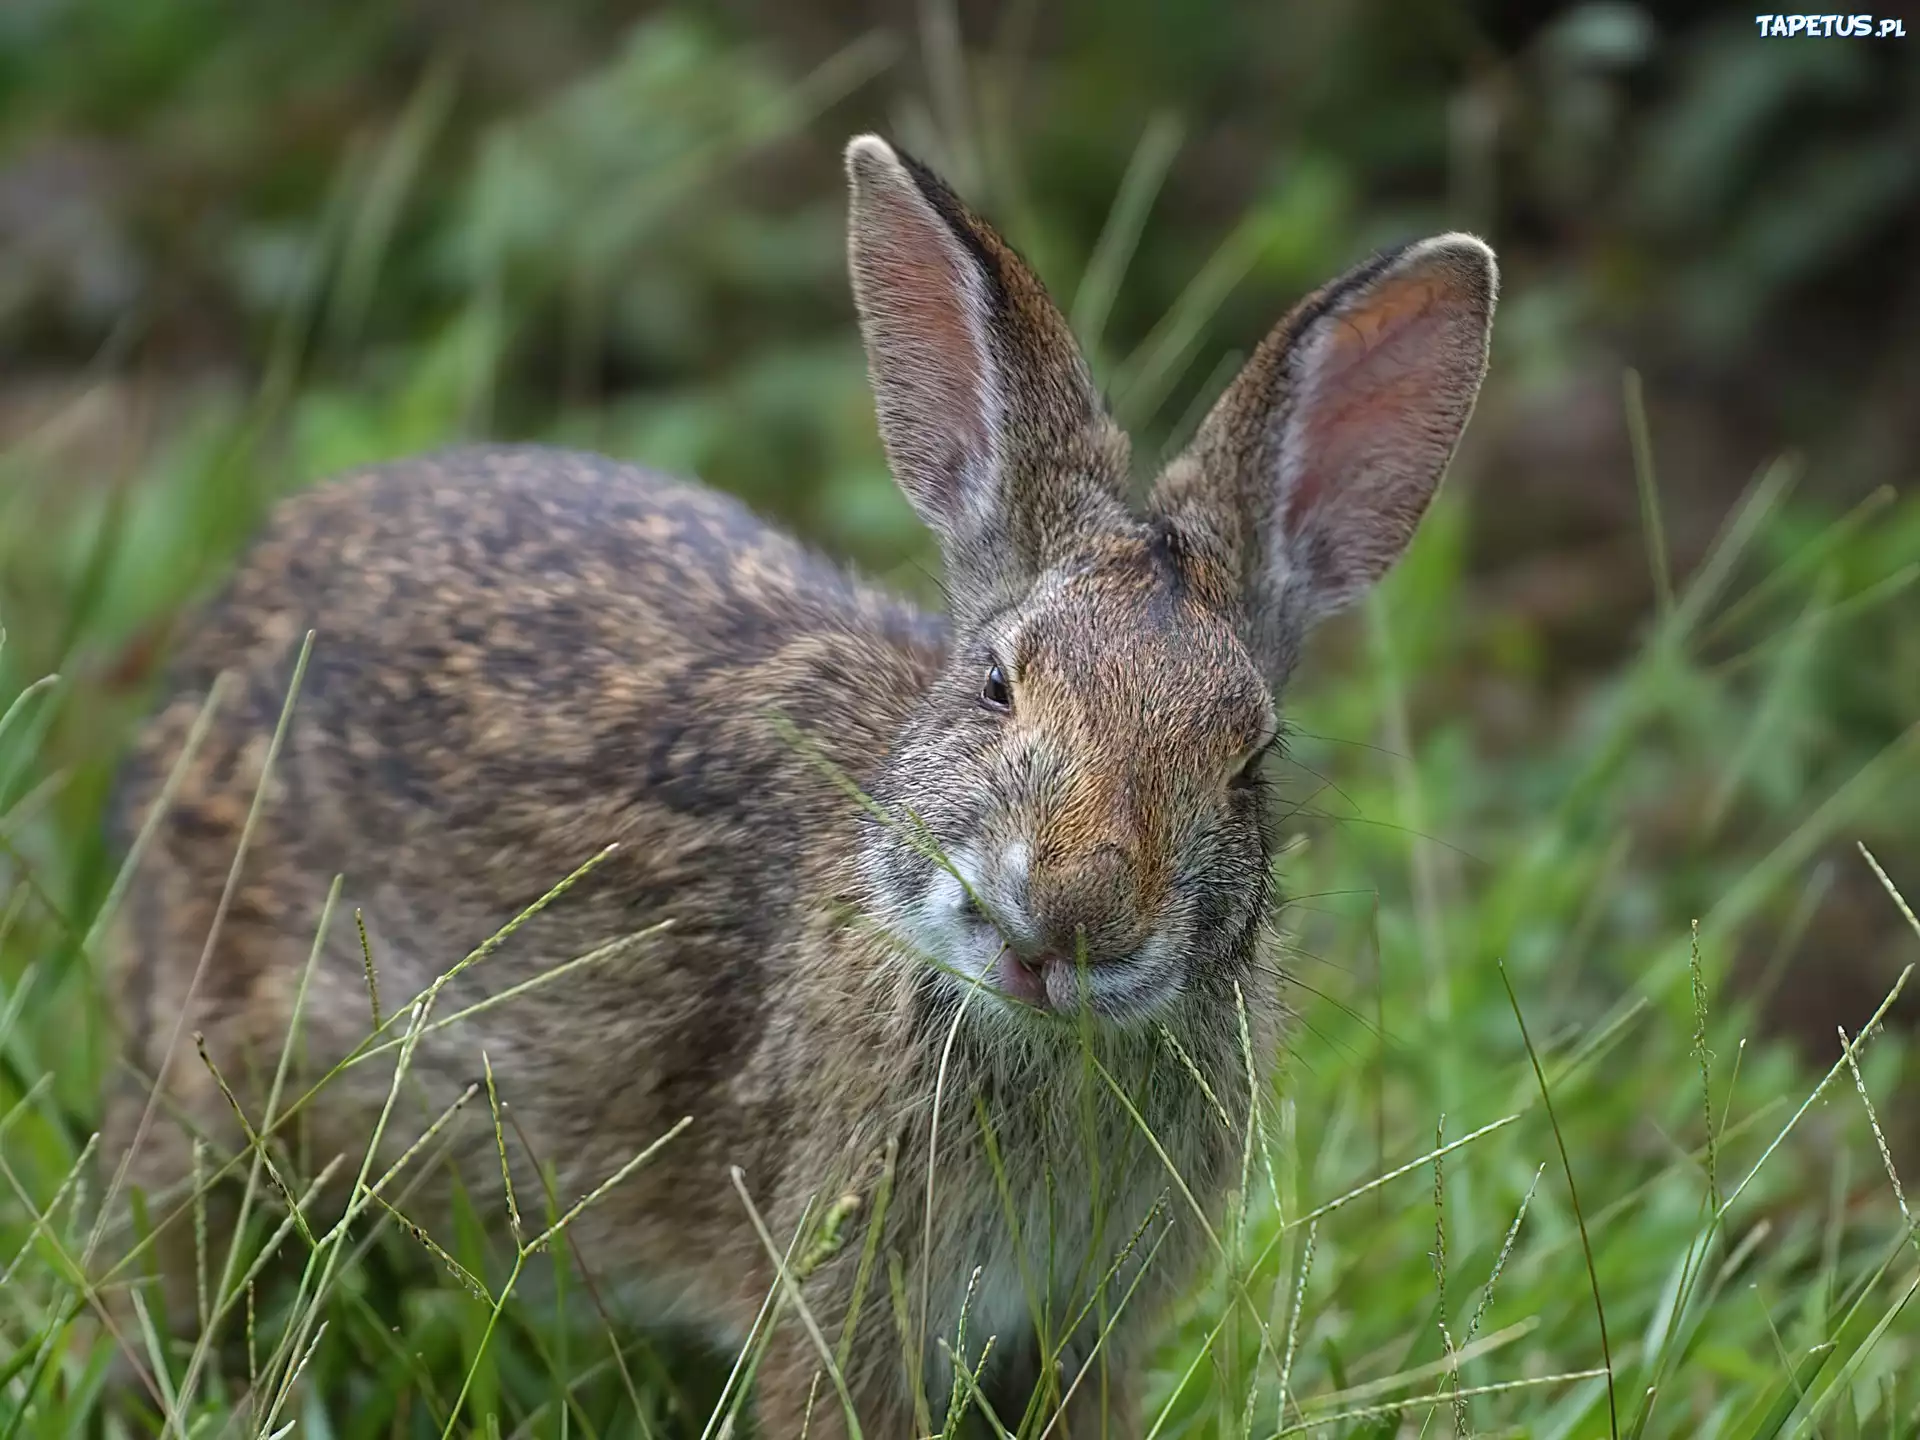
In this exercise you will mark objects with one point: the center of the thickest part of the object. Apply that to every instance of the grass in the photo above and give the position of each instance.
(1715, 1249)
(1655, 1217)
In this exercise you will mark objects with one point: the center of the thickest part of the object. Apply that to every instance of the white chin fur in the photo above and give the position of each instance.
(938, 925)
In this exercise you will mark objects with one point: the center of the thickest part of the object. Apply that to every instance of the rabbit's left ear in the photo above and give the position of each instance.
(990, 419)
(1312, 471)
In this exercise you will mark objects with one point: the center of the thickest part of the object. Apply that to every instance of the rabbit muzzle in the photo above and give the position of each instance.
(1064, 933)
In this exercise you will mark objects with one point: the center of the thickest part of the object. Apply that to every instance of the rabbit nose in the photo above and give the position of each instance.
(1092, 899)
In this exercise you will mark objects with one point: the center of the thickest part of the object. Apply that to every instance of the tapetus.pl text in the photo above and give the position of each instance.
(1831, 27)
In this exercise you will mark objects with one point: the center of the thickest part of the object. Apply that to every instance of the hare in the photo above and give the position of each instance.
(948, 935)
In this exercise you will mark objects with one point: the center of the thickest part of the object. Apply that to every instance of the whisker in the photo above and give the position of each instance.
(1372, 1029)
(1326, 781)
(1459, 850)
(1387, 750)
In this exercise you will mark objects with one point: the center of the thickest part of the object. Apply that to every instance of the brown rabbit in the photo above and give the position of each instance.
(963, 910)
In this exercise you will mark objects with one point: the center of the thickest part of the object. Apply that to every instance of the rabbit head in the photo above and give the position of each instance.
(1075, 807)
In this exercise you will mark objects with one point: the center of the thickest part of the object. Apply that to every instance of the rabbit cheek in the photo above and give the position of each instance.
(940, 921)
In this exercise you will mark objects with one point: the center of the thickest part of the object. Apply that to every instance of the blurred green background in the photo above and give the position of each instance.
(246, 244)
(1655, 658)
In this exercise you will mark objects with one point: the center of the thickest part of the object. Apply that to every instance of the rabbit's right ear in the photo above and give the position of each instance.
(991, 422)
(1310, 474)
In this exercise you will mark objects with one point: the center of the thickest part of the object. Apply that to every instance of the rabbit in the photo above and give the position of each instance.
(950, 936)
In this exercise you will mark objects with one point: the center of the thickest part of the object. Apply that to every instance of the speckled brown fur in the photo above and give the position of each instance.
(524, 655)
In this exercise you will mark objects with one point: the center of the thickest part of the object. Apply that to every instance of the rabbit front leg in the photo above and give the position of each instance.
(798, 1398)
(1102, 1407)
(1100, 1404)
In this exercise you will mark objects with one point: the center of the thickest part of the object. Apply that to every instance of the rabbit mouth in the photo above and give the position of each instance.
(1113, 989)
(1021, 979)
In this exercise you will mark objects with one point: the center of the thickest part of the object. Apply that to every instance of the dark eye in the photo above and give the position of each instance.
(1248, 775)
(995, 694)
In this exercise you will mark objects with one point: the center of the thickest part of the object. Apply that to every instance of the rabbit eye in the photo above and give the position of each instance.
(995, 694)
(1248, 775)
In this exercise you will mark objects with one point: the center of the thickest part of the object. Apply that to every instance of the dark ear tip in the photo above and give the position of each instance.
(1465, 260)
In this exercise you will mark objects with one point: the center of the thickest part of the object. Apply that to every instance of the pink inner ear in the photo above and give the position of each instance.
(931, 323)
(1379, 392)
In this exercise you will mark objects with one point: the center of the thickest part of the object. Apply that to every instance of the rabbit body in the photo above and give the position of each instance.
(523, 656)
(946, 935)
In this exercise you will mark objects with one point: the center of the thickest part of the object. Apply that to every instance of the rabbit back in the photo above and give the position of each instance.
(520, 657)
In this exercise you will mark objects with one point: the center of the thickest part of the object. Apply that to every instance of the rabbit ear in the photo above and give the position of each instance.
(989, 417)
(1312, 471)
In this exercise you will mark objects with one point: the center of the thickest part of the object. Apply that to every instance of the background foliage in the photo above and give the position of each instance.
(1653, 660)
